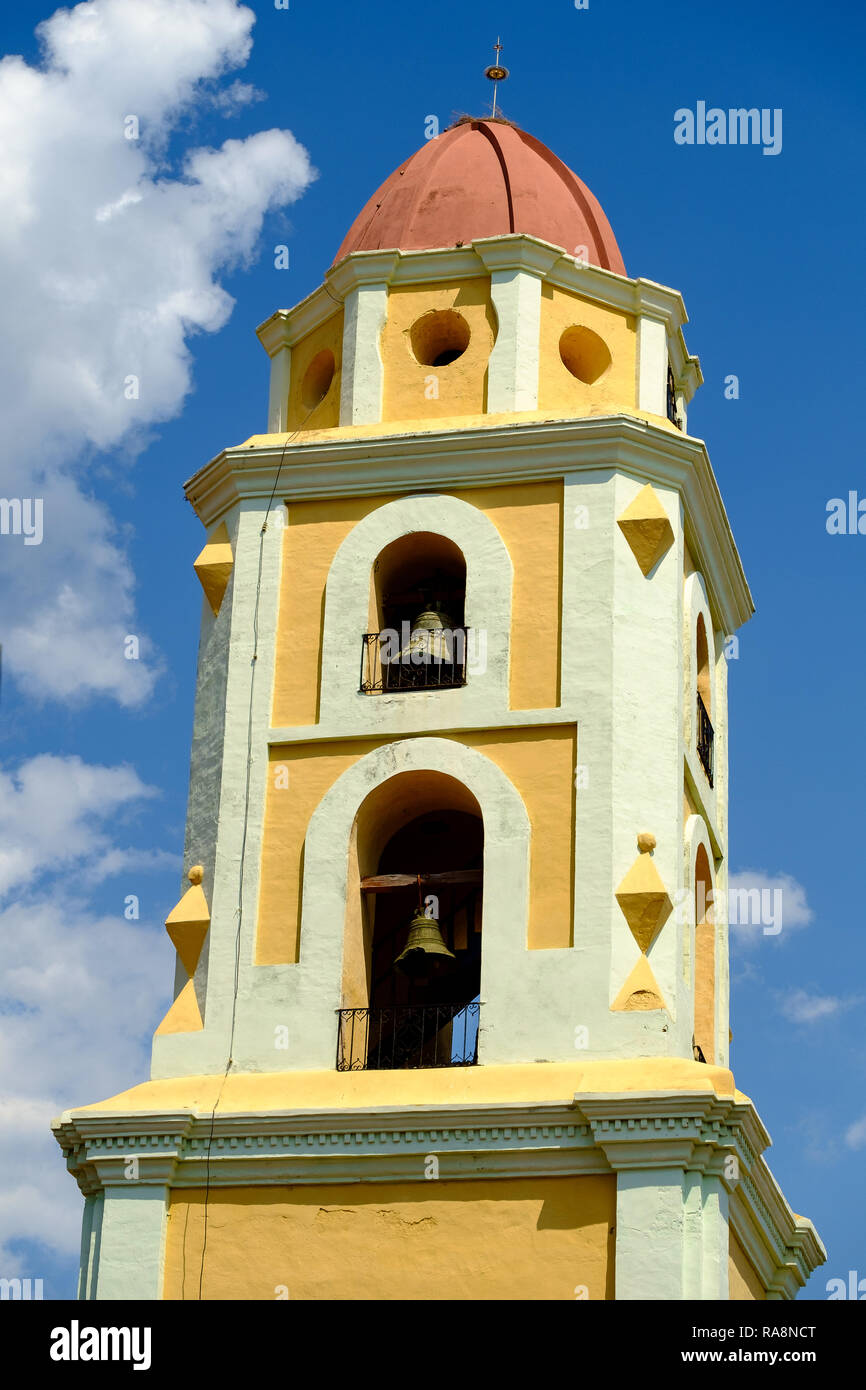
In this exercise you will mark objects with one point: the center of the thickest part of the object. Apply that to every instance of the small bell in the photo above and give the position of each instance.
(431, 638)
(425, 952)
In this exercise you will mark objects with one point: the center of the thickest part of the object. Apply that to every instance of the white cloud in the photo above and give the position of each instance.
(802, 1007)
(855, 1135)
(765, 905)
(54, 812)
(80, 991)
(62, 967)
(231, 100)
(109, 263)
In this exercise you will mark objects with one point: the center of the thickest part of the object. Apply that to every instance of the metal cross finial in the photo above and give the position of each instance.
(496, 72)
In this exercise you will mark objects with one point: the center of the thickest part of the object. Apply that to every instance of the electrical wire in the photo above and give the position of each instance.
(240, 907)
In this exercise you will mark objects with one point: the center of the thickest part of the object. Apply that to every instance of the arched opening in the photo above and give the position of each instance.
(417, 603)
(439, 337)
(703, 664)
(584, 353)
(416, 953)
(317, 379)
(705, 738)
(705, 960)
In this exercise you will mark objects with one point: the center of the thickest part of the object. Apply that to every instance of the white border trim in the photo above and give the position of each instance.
(489, 577)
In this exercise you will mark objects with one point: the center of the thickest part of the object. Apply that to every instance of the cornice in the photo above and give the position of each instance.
(517, 253)
(593, 1133)
(358, 465)
(362, 268)
(285, 327)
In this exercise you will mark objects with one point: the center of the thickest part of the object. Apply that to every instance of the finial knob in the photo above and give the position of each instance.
(196, 874)
(646, 842)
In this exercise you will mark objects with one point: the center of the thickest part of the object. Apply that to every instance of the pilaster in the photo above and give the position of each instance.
(517, 267)
(362, 284)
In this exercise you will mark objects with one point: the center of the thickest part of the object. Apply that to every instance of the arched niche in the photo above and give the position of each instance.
(704, 937)
(351, 827)
(426, 824)
(443, 527)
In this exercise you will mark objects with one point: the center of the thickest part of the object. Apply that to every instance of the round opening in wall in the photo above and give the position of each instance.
(439, 337)
(584, 353)
(317, 379)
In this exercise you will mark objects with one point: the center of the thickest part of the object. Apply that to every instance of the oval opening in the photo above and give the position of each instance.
(317, 379)
(584, 353)
(439, 338)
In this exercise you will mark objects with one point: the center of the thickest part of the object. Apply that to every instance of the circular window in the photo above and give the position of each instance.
(439, 337)
(317, 379)
(584, 353)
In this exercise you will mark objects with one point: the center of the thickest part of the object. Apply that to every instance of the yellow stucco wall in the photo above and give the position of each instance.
(460, 388)
(743, 1280)
(528, 516)
(326, 414)
(539, 761)
(312, 537)
(529, 519)
(558, 390)
(524, 1238)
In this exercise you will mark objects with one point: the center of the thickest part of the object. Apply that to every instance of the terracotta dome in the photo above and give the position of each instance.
(483, 178)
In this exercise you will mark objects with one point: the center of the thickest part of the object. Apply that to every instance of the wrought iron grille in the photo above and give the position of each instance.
(673, 413)
(419, 660)
(705, 740)
(408, 1035)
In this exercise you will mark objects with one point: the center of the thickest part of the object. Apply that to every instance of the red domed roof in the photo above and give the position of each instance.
(479, 179)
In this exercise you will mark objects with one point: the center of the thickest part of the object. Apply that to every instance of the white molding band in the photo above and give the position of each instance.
(474, 457)
(669, 1151)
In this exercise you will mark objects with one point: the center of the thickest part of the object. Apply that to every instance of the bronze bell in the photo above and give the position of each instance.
(425, 952)
(431, 637)
(433, 618)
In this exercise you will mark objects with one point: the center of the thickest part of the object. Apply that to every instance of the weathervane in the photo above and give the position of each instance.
(496, 72)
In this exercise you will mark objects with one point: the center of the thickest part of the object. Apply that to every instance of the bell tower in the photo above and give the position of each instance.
(451, 1016)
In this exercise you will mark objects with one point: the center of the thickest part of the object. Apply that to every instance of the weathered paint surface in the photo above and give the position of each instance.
(503, 1239)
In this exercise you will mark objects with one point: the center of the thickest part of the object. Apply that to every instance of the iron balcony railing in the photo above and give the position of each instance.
(408, 1035)
(413, 660)
(705, 740)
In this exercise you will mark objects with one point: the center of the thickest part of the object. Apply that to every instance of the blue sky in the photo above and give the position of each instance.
(767, 252)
